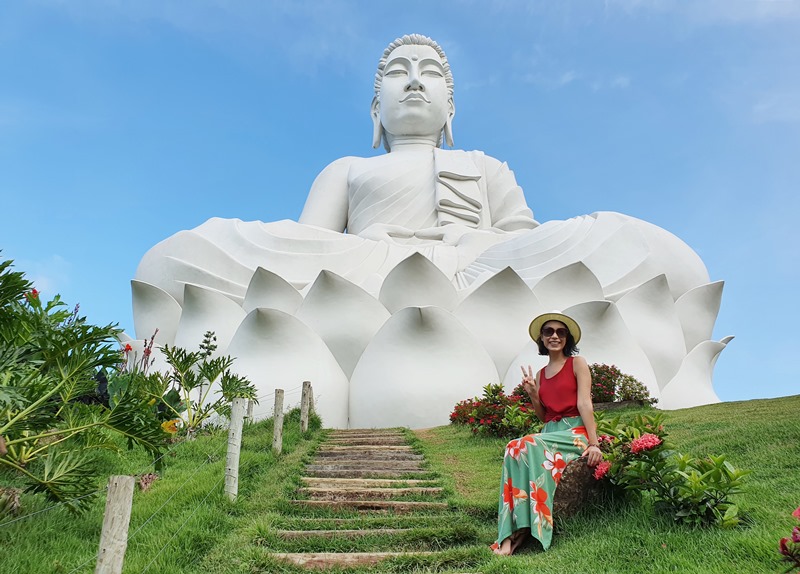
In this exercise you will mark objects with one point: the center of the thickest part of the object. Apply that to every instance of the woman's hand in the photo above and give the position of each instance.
(593, 455)
(529, 384)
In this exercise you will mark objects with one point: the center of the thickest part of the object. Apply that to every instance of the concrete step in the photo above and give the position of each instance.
(348, 534)
(390, 473)
(344, 559)
(396, 506)
(350, 464)
(368, 441)
(365, 434)
(365, 448)
(365, 482)
(374, 522)
(326, 455)
(368, 493)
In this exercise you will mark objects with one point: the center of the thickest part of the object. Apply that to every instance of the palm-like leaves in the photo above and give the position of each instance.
(48, 360)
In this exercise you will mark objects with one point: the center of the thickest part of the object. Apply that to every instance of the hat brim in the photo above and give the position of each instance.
(535, 328)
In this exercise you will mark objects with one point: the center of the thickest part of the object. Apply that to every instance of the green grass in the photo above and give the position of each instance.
(199, 530)
(174, 524)
(759, 435)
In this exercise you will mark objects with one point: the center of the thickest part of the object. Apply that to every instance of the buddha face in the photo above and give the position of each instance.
(414, 99)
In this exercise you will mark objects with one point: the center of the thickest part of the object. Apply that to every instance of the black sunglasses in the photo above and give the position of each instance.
(561, 332)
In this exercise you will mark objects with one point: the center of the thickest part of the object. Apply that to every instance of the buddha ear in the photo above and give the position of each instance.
(448, 125)
(377, 128)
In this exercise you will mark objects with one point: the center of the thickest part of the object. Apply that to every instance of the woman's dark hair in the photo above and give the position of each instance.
(569, 349)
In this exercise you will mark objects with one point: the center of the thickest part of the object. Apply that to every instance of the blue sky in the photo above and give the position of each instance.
(123, 122)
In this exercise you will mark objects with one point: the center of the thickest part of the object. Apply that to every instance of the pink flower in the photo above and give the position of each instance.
(796, 513)
(647, 441)
(601, 469)
(796, 534)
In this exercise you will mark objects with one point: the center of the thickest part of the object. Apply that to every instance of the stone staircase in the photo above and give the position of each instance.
(366, 497)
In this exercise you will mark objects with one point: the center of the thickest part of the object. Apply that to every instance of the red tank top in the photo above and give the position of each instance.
(559, 394)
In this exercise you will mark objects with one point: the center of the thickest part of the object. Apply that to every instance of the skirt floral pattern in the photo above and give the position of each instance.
(532, 469)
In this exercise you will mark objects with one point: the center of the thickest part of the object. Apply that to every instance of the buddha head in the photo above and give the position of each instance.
(413, 92)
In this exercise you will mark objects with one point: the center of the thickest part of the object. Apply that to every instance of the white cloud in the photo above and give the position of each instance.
(567, 78)
(309, 33)
(50, 276)
(777, 107)
(713, 12)
(620, 82)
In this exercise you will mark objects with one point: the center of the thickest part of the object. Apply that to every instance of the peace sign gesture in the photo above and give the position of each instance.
(529, 384)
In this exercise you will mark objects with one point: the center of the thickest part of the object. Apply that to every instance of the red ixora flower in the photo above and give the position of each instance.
(784, 546)
(34, 293)
(128, 348)
(647, 441)
(601, 469)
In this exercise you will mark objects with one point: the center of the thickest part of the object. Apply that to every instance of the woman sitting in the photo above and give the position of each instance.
(561, 394)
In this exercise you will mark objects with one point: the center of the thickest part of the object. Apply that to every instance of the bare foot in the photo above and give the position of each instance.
(510, 544)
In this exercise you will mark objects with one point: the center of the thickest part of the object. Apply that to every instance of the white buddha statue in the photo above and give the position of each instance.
(464, 212)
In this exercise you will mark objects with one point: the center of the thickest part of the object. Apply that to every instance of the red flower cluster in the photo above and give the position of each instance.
(601, 469)
(790, 546)
(645, 442)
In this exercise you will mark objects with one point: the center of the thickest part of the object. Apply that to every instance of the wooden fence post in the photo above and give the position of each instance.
(277, 433)
(116, 520)
(305, 404)
(234, 447)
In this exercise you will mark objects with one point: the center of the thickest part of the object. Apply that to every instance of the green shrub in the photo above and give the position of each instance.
(638, 460)
(610, 384)
(52, 416)
(497, 414)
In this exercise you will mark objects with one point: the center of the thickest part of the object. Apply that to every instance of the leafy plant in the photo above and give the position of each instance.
(610, 384)
(497, 414)
(789, 547)
(51, 414)
(694, 491)
(196, 387)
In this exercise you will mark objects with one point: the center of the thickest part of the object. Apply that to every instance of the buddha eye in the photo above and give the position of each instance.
(396, 71)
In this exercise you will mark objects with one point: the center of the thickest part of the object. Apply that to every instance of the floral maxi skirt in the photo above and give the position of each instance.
(532, 469)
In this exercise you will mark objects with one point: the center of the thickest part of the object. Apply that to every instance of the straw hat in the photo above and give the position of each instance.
(535, 328)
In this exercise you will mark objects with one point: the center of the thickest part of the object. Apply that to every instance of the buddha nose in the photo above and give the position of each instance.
(414, 82)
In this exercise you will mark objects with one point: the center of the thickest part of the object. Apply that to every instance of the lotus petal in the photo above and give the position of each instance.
(268, 290)
(606, 339)
(344, 315)
(417, 367)
(417, 282)
(275, 350)
(207, 310)
(697, 310)
(692, 384)
(154, 309)
(498, 313)
(568, 286)
(528, 357)
(188, 257)
(649, 313)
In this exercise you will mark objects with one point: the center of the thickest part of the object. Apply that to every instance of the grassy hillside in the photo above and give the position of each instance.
(185, 525)
(760, 435)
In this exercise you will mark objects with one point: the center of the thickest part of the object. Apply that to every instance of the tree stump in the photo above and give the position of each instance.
(576, 484)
